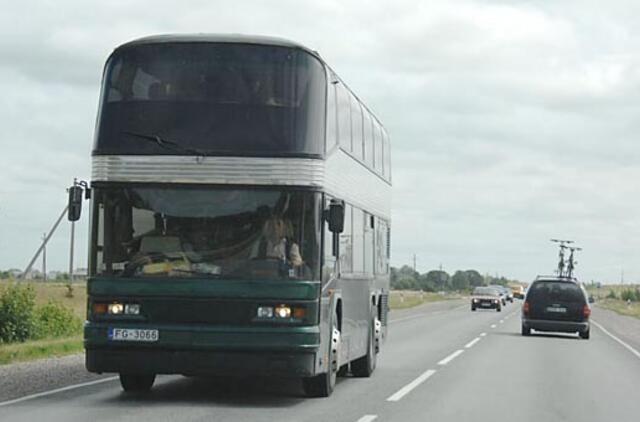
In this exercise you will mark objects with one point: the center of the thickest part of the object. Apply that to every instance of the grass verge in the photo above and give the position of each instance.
(404, 299)
(621, 307)
(39, 349)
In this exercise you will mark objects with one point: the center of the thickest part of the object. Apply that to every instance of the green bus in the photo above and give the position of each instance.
(239, 217)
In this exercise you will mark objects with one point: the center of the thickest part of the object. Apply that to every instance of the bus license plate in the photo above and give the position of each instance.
(132, 334)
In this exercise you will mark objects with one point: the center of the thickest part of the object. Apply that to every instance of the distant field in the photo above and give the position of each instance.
(616, 305)
(403, 299)
(36, 349)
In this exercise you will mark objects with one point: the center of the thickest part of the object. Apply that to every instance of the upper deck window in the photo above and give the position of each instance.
(219, 98)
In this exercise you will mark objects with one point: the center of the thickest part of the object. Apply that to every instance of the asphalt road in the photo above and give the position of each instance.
(441, 363)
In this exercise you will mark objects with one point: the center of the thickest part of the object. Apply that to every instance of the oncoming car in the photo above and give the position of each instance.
(556, 304)
(486, 298)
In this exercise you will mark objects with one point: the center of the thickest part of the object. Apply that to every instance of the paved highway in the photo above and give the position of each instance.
(440, 363)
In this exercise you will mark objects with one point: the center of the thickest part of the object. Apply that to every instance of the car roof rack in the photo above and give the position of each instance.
(556, 278)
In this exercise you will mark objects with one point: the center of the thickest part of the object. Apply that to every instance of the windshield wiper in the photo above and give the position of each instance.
(166, 144)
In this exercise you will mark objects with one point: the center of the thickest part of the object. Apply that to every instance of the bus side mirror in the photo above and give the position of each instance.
(75, 203)
(335, 216)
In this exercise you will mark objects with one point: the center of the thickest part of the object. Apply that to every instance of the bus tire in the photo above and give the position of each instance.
(364, 366)
(322, 385)
(137, 383)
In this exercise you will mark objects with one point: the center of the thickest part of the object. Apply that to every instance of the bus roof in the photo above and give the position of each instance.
(218, 38)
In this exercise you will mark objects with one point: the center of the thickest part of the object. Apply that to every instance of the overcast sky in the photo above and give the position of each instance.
(511, 121)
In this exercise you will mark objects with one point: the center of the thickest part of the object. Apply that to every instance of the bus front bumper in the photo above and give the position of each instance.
(268, 351)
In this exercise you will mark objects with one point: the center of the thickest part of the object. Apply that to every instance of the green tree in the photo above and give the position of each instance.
(460, 280)
(474, 277)
(439, 279)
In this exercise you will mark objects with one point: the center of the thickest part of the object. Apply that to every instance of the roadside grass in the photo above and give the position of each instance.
(39, 349)
(632, 309)
(404, 299)
(44, 348)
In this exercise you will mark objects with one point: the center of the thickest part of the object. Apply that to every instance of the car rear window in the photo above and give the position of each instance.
(555, 291)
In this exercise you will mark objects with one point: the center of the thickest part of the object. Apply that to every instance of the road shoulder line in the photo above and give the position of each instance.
(622, 343)
(57, 390)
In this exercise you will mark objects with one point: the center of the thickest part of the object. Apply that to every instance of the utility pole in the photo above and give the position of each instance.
(44, 257)
(44, 243)
(73, 230)
(414, 263)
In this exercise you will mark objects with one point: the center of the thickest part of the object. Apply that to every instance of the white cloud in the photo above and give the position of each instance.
(512, 121)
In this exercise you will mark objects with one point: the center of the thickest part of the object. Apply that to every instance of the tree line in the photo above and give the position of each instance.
(405, 278)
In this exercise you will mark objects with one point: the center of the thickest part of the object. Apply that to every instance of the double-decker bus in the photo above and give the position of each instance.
(240, 215)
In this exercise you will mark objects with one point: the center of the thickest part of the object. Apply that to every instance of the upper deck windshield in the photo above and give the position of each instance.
(205, 233)
(219, 98)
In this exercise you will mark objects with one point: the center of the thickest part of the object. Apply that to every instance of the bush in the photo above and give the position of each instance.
(55, 320)
(17, 305)
(612, 295)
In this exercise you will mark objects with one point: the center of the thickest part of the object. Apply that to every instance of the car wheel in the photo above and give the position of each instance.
(137, 383)
(585, 334)
(526, 331)
(473, 308)
(499, 309)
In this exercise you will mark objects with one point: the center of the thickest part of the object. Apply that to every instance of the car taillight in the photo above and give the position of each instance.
(525, 308)
(586, 311)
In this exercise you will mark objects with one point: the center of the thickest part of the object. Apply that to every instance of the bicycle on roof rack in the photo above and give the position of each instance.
(566, 266)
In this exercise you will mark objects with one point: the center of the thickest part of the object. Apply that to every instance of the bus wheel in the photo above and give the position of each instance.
(322, 385)
(365, 366)
(137, 383)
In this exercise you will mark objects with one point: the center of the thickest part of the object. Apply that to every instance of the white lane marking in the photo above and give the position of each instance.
(502, 321)
(625, 345)
(493, 325)
(413, 384)
(57, 390)
(483, 334)
(471, 343)
(451, 357)
(367, 418)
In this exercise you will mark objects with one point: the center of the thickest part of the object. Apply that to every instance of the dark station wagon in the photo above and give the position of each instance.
(556, 304)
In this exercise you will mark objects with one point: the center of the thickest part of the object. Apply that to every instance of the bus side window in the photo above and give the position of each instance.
(368, 140)
(344, 117)
(356, 128)
(368, 245)
(332, 112)
(357, 231)
(329, 260)
(346, 244)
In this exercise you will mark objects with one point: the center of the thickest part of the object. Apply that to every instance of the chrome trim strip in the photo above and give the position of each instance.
(339, 175)
(213, 170)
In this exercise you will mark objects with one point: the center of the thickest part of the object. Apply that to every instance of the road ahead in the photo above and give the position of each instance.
(440, 363)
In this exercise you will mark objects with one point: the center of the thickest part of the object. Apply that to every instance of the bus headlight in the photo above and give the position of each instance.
(283, 311)
(115, 308)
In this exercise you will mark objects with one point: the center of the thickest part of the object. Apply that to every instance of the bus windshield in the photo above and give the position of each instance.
(222, 98)
(206, 233)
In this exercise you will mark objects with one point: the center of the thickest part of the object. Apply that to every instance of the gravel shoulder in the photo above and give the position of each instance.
(624, 327)
(21, 379)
